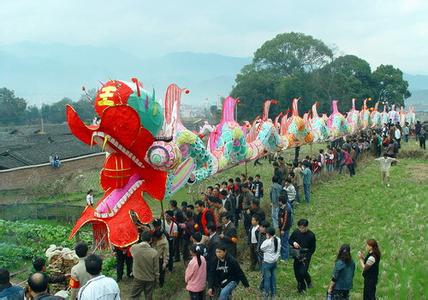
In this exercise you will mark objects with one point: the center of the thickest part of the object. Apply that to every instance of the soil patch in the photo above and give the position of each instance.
(418, 173)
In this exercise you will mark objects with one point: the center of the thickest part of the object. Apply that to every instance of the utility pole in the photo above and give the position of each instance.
(41, 120)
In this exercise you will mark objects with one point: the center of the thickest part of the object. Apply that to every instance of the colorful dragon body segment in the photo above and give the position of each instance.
(411, 116)
(402, 116)
(227, 143)
(337, 124)
(353, 118)
(365, 115)
(150, 151)
(318, 126)
(295, 128)
(181, 153)
(376, 117)
(266, 132)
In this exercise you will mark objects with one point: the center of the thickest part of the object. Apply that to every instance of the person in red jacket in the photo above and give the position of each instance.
(349, 163)
(203, 218)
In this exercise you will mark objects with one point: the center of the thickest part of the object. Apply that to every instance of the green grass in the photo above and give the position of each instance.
(352, 210)
(349, 210)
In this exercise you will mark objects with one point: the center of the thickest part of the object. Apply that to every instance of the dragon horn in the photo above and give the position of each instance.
(135, 80)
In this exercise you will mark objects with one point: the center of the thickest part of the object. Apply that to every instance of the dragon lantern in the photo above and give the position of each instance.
(149, 150)
(130, 119)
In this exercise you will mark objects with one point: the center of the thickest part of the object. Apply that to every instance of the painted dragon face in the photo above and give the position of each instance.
(128, 122)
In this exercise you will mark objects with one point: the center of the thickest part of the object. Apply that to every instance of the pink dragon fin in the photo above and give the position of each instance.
(266, 108)
(172, 108)
(295, 109)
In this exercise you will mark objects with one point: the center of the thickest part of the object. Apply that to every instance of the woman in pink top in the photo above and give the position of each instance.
(196, 274)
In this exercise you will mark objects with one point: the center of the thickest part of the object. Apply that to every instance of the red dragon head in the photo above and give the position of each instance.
(126, 174)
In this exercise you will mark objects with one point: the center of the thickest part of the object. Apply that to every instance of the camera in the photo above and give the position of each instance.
(299, 254)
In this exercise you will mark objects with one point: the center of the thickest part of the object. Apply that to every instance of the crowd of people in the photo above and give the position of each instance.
(205, 236)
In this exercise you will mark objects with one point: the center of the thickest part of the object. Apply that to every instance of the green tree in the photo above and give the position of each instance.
(32, 114)
(85, 105)
(291, 52)
(344, 78)
(390, 86)
(252, 87)
(55, 113)
(283, 62)
(12, 108)
(300, 85)
(215, 115)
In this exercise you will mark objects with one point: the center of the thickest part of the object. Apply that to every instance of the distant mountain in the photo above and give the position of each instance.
(417, 82)
(418, 86)
(419, 100)
(44, 73)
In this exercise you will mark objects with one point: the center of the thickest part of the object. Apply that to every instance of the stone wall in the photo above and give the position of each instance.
(31, 176)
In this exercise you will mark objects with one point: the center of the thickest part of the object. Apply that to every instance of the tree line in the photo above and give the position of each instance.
(16, 111)
(298, 65)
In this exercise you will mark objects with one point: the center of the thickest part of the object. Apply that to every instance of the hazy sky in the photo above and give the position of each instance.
(388, 32)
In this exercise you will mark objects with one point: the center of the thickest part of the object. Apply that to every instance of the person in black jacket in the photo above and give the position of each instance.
(370, 265)
(258, 188)
(214, 240)
(257, 210)
(246, 198)
(178, 219)
(285, 220)
(39, 265)
(224, 274)
(254, 235)
(230, 204)
(229, 234)
(123, 256)
(304, 241)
